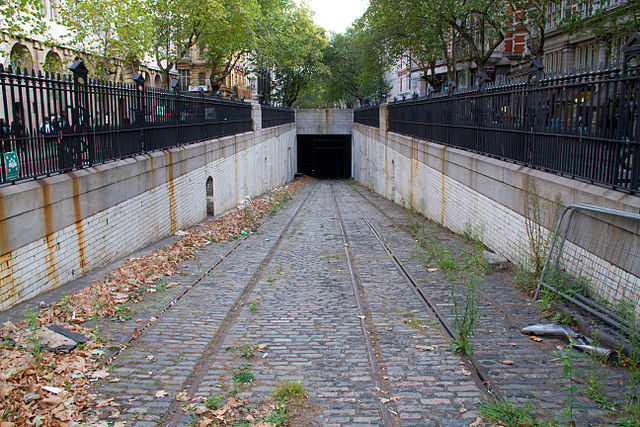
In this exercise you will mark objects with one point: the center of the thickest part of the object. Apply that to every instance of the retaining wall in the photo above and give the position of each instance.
(55, 229)
(463, 190)
(324, 122)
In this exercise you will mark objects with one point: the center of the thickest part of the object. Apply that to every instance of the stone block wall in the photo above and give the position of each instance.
(55, 229)
(463, 190)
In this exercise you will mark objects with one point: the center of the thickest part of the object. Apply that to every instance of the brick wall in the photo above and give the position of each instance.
(459, 189)
(54, 229)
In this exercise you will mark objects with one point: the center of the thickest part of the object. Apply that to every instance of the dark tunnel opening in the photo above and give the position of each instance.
(325, 156)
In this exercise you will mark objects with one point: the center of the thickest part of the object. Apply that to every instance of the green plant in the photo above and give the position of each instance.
(34, 324)
(160, 285)
(466, 314)
(446, 261)
(243, 376)
(289, 390)
(525, 280)
(507, 413)
(413, 322)
(280, 417)
(253, 307)
(214, 401)
(247, 350)
(566, 358)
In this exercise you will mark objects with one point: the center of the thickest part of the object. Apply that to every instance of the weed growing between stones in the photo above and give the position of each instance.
(566, 357)
(465, 273)
(507, 413)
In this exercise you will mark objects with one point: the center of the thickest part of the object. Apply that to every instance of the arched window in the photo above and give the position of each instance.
(20, 56)
(52, 63)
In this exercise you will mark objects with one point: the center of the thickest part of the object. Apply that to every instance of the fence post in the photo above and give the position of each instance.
(78, 143)
(140, 110)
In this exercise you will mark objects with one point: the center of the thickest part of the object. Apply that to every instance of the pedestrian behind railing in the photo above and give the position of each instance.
(52, 123)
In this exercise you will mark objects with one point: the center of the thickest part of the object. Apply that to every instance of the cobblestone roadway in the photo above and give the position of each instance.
(306, 312)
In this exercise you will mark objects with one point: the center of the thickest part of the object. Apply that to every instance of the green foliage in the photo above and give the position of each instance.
(466, 312)
(289, 390)
(34, 324)
(22, 18)
(566, 358)
(280, 417)
(507, 413)
(107, 30)
(351, 78)
(243, 376)
(214, 402)
(253, 307)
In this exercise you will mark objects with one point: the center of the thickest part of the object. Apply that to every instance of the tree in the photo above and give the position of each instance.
(295, 52)
(227, 37)
(21, 18)
(351, 77)
(176, 26)
(439, 32)
(109, 31)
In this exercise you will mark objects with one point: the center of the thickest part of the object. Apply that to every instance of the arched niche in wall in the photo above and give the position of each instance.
(53, 63)
(20, 56)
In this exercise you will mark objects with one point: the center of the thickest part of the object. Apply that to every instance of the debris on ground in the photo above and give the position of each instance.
(579, 341)
(39, 387)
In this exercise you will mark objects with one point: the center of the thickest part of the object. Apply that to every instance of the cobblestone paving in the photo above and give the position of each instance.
(289, 287)
(534, 377)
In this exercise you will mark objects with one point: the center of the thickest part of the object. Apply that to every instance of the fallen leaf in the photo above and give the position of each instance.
(536, 339)
(432, 270)
(182, 396)
(463, 410)
(99, 375)
(114, 380)
(54, 390)
(465, 372)
(362, 317)
(426, 347)
(105, 402)
(115, 414)
(395, 398)
(476, 423)
(507, 362)
(119, 424)
(161, 393)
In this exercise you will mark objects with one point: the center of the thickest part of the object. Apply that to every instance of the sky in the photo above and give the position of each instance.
(336, 15)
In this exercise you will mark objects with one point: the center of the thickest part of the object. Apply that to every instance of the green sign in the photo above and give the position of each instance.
(11, 165)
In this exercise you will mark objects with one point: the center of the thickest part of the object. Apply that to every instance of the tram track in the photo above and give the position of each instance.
(479, 374)
(194, 379)
(388, 412)
(115, 355)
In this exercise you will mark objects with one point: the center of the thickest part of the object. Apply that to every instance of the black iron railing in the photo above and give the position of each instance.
(583, 125)
(58, 123)
(276, 116)
(367, 115)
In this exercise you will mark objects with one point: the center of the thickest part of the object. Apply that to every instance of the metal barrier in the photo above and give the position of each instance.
(276, 116)
(584, 125)
(367, 115)
(594, 262)
(51, 124)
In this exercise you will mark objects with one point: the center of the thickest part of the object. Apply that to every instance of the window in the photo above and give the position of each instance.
(184, 79)
(201, 79)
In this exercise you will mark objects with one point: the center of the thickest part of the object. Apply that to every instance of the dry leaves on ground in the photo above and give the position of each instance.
(25, 370)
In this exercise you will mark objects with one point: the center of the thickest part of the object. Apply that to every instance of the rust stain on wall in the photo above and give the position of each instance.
(386, 174)
(77, 216)
(172, 195)
(442, 203)
(7, 283)
(52, 272)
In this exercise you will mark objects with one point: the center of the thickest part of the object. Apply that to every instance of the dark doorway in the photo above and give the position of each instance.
(325, 156)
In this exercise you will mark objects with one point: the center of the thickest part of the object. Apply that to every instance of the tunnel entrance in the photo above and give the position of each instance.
(325, 156)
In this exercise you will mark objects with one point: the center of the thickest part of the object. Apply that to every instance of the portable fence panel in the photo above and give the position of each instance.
(595, 259)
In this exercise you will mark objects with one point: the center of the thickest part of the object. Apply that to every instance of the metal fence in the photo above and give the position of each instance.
(594, 262)
(58, 123)
(583, 125)
(367, 115)
(276, 116)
